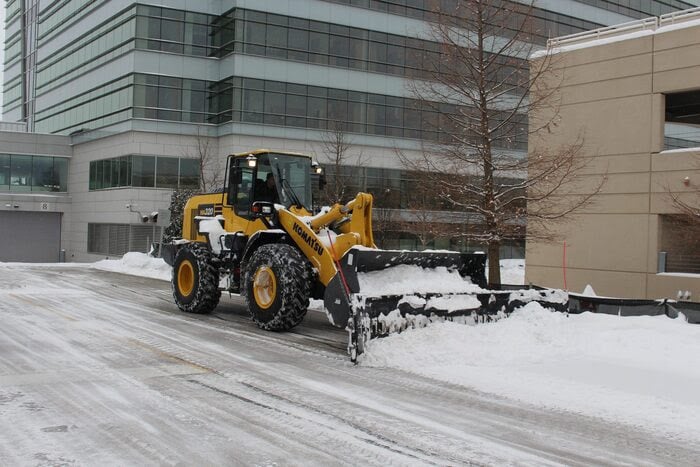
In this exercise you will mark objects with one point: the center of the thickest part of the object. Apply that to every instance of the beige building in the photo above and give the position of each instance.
(633, 92)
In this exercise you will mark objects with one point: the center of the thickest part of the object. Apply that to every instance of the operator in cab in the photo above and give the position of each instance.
(267, 190)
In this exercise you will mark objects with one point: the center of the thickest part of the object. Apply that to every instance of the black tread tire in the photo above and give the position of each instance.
(294, 277)
(206, 294)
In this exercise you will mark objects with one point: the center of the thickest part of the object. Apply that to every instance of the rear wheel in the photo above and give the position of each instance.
(276, 285)
(195, 279)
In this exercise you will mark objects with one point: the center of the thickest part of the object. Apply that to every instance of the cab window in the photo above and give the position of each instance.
(242, 187)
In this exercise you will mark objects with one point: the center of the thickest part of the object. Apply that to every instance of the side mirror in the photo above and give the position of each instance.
(262, 209)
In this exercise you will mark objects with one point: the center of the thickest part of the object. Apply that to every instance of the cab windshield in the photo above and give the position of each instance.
(292, 178)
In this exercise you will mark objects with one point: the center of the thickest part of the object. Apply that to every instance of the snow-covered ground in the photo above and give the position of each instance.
(641, 371)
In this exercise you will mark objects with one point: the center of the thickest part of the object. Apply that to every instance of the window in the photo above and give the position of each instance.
(4, 172)
(21, 173)
(138, 171)
(274, 108)
(242, 190)
(42, 174)
(679, 239)
(298, 44)
(682, 127)
(189, 173)
(168, 98)
(167, 172)
(277, 103)
(143, 171)
(33, 173)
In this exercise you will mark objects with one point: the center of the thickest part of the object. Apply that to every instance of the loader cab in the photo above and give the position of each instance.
(267, 176)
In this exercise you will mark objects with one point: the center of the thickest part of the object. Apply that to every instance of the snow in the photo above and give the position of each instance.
(641, 371)
(404, 278)
(512, 271)
(215, 229)
(137, 264)
(680, 274)
(681, 150)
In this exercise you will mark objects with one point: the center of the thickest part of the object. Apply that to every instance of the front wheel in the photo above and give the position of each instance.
(276, 286)
(195, 279)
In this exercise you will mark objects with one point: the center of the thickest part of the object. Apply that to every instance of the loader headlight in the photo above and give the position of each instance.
(252, 160)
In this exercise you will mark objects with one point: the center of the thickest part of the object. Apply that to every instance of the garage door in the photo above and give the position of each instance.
(30, 237)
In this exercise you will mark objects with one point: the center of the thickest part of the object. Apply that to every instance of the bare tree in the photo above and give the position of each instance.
(384, 220)
(686, 221)
(210, 179)
(478, 94)
(210, 173)
(342, 169)
(421, 218)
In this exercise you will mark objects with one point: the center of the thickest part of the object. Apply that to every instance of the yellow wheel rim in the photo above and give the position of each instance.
(264, 287)
(185, 278)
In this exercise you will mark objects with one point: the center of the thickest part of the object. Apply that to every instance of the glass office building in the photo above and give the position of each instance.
(129, 81)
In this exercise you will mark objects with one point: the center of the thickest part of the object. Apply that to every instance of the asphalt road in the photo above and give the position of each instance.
(100, 368)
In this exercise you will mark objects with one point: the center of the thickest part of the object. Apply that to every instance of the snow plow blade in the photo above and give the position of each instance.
(342, 290)
(358, 301)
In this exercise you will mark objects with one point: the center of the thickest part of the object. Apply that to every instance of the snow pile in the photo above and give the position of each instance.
(452, 303)
(406, 279)
(644, 371)
(137, 264)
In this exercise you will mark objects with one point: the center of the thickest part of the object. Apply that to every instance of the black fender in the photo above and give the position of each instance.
(168, 253)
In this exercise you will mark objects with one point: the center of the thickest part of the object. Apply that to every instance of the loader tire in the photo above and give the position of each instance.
(195, 279)
(277, 284)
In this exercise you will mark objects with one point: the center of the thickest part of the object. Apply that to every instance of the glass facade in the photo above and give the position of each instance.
(287, 104)
(270, 35)
(60, 15)
(103, 105)
(95, 47)
(391, 188)
(144, 172)
(245, 31)
(21, 172)
(176, 31)
(169, 98)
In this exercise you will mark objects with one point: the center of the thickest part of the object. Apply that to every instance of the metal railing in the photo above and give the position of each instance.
(646, 24)
(679, 16)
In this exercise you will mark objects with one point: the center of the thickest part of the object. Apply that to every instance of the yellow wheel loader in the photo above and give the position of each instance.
(259, 238)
